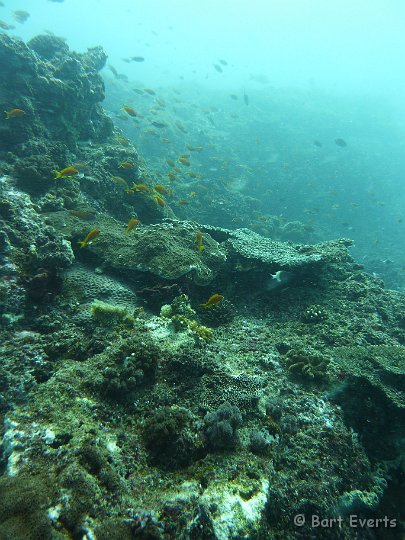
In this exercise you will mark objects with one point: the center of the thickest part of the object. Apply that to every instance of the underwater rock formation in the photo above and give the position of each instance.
(168, 250)
(31, 253)
(60, 95)
(174, 419)
(63, 124)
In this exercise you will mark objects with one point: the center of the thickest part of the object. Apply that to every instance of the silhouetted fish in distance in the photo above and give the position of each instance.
(340, 142)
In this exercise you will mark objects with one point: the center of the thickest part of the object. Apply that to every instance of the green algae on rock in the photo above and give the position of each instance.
(308, 364)
(165, 249)
(111, 315)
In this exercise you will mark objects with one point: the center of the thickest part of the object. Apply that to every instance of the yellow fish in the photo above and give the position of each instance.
(132, 224)
(159, 200)
(194, 148)
(65, 173)
(119, 180)
(129, 110)
(89, 238)
(122, 140)
(160, 188)
(213, 300)
(14, 113)
(83, 214)
(126, 165)
(143, 188)
(199, 241)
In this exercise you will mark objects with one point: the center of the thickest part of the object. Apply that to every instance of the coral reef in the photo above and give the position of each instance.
(110, 315)
(127, 410)
(134, 368)
(314, 314)
(221, 427)
(32, 254)
(24, 503)
(60, 84)
(180, 322)
(307, 363)
(165, 250)
(80, 283)
(173, 437)
(217, 315)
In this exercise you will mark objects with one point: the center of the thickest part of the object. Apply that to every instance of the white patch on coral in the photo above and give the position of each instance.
(12, 445)
(318, 412)
(235, 513)
(68, 246)
(159, 328)
(49, 436)
(88, 531)
(162, 330)
(54, 513)
(111, 446)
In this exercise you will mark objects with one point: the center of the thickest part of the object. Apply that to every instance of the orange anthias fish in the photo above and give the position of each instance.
(132, 224)
(129, 110)
(194, 148)
(126, 165)
(213, 300)
(83, 214)
(160, 200)
(160, 188)
(92, 235)
(66, 173)
(143, 188)
(14, 113)
(120, 180)
(199, 241)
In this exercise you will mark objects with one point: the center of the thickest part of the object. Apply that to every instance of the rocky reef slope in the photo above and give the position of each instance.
(131, 409)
